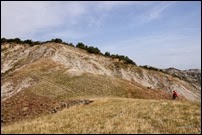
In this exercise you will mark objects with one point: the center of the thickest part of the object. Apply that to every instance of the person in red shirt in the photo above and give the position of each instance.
(174, 94)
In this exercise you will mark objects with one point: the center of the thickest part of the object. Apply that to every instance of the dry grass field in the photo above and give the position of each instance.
(117, 115)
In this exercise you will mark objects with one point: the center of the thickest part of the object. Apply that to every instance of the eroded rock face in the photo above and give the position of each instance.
(8, 89)
(191, 75)
(76, 62)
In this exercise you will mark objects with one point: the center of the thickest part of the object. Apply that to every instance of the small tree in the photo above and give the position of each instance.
(3, 40)
(70, 44)
(57, 40)
(81, 45)
(107, 54)
(92, 49)
(129, 61)
(37, 42)
(29, 41)
(17, 40)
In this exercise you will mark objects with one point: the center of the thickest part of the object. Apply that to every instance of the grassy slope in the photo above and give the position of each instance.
(88, 85)
(59, 84)
(117, 115)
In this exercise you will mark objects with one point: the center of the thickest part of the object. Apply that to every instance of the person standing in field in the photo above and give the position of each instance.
(174, 95)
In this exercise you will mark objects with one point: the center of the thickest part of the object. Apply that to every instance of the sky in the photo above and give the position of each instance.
(162, 34)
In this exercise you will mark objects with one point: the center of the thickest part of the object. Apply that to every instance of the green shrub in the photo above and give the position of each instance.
(17, 40)
(37, 42)
(70, 44)
(29, 41)
(57, 40)
(152, 68)
(107, 54)
(3, 40)
(92, 49)
(124, 58)
(81, 45)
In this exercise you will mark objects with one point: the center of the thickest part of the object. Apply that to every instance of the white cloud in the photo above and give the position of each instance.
(23, 19)
(155, 12)
(27, 18)
(109, 5)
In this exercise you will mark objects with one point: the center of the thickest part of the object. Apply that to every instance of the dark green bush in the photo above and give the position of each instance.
(124, 58)
(17, 40)
(29, 41)
(57, 40)
(92, 49)
(81, 45)
(107, 54)
(3, 40)
(152, 68)
(70, 44)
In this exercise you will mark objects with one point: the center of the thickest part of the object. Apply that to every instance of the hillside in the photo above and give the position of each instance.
(41, 80)
(117, 115)
(23, 65)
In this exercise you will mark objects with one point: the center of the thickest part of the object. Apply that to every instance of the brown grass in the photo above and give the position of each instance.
(117, 115)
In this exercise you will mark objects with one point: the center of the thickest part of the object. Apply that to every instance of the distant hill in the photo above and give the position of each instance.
(192, 76)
